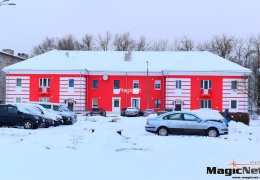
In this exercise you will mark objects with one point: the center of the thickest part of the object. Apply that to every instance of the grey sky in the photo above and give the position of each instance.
(26, 24)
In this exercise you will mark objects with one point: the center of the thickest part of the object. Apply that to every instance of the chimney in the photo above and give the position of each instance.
(9, 51)
(128, 56)
(23, 55)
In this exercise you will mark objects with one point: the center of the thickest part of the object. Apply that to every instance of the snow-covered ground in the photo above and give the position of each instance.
(92, 149)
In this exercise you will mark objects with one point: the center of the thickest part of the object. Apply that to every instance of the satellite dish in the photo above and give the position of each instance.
(105, 77)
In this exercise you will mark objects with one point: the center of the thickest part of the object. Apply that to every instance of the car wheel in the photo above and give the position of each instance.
(212, 132)
(28, 125)
(162, 131)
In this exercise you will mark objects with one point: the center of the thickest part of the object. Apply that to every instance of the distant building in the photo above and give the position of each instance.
(7, 58)
(116, 79)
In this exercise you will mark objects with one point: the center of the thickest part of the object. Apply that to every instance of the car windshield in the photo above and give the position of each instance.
(24, 110)
(64, 108)
(149, 110)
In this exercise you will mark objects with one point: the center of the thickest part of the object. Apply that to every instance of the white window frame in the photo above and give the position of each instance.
(178, 84)
(18, 84)
(94, 99)
(156, 84)
(157, 103)
(231, 104)
(209, 82)
(234, 83)
(135, 84)
(44, 99)
(16, 98)
(206, 104)
(42, 84)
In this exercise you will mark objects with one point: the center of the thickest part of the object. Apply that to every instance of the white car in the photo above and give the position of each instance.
(131, 111)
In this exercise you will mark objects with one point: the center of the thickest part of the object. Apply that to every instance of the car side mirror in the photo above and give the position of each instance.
(19, 112)
(199, 120)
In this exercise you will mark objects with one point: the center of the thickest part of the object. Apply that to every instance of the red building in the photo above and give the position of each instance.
(116, 79)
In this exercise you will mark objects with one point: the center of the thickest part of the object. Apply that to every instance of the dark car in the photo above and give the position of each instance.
(123, 111)
(11, 115)
(140, 113)
(87, 112)
(168, 110)
(98, 111)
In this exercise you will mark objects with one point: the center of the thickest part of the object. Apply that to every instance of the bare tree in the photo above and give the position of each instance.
(67, 42)
(104, 41)
(123, 42)
(222, 45)
(184, 44)
(88, 43)
(141, 44)
(46, 45)
(161, 45)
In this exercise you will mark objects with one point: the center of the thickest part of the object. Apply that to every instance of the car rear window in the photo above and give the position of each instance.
(95, 109)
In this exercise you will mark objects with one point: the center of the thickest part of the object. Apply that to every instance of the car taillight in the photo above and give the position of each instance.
(147, 122)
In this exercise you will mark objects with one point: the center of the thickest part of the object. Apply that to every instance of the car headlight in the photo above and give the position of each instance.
(224, 127)
(36, 117)
(68, 118)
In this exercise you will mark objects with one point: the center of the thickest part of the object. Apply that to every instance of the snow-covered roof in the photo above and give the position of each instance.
(114, 61)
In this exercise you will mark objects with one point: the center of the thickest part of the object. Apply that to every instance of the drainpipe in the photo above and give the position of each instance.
(80, 94)
(126, 79)
(163, 103)
(86, 99)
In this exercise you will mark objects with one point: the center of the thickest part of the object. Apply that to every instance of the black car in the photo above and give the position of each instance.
(140, 113)
(11, 115)
(122, 113)
(98, 111)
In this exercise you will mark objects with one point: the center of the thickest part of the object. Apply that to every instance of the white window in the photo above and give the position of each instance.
(205, 84)
(157, 103)
(205, 104)
(44, 99)
(178, 84)
(233, 85)
(18, 100)
(94, 102)
(18, 82)
(233, 104)
(135, 83)
(44, 82)
(157, 84)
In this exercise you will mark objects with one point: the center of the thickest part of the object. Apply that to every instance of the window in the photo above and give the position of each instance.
(18, 82)
(234, 85)
(189, 117)
(44, 82)
(233, 104)
(94, 102)
(205, 104)
(71, 82)
(11, 109)
(44, 99)
(205, 84)
(136, 83)
(116, 84)
(157, 84)
(178, 84)
(56, 108)
(157, 103)
(176, 116)
(18, 100)
(94, 84)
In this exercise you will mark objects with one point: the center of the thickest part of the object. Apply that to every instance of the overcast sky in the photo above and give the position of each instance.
(30, 21)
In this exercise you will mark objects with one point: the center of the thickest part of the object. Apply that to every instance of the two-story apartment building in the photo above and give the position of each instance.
(116, 79)
(7, 58)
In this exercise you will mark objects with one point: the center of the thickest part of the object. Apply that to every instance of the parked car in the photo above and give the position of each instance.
(122, 113)
(36, 111)
(147, 112)
(132, 111)
(98, 111)
(67, 116)
(168, 109)
(140, 112)
(11, 115)
(87, 112)
(58, 117)
(182, 122)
